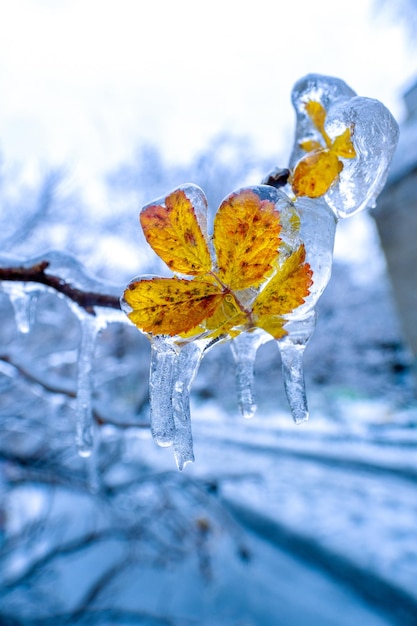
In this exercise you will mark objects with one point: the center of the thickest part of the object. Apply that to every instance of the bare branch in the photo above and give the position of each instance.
(100, 419)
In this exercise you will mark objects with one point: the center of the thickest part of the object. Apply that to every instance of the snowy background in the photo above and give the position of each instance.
(105, 106)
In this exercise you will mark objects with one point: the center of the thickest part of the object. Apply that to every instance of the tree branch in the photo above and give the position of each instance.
(100, 419)
(36, 274)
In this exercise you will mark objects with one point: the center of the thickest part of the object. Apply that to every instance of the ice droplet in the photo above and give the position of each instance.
(173, 368)
(244, 348)
(84, 415)
(161, 381)
(292, 348)
(188, 361)
(293, 374)
(23, 298)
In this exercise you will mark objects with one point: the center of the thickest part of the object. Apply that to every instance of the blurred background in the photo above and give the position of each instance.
(105, 106)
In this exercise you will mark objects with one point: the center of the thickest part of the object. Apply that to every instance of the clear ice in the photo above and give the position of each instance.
(308, 221)
(173, 368)
(244, 348)
(23, 297)
(175, 360)
(84, 410)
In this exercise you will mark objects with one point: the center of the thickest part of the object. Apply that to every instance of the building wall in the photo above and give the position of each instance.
(396, 219)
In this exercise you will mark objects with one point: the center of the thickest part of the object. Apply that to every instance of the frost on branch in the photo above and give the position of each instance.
(259, 276)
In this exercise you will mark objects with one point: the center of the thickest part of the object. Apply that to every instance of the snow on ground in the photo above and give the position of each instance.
(342, 498)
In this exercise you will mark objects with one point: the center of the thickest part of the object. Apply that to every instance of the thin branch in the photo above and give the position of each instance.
(96, 616)
(36, 274)
(100, 419)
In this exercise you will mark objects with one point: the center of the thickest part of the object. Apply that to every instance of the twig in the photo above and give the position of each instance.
(100, 419)
(36, 274)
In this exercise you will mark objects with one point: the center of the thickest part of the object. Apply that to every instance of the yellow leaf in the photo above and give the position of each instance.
(317, 114)
(310, 144)
(315, 173)
(343, 146)
(246, 239)
(286, 291)
(171, 306)
(173, 232)
(318, 170)
(218, 301)
(273, 325)
(227, 318)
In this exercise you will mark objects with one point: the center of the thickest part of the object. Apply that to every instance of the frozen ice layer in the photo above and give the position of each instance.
(374, 134)
(260, 274)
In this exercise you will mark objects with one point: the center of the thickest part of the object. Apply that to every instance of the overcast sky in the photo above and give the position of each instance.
(84, 81)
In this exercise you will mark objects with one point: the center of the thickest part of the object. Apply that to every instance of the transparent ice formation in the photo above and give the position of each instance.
(375, 137)
(23, 299)
(306, 222)
(23, 296)
(175, 360)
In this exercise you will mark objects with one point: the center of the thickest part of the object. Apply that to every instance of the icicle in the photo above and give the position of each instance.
(292, 350)
(161, 382)
(293, 374)
(244, 348)
(187, 364)
(84, 419)
(93, 474)
(23, 299)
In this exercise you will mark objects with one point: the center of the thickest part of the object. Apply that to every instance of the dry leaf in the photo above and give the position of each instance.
(172, 230)
(246, 239)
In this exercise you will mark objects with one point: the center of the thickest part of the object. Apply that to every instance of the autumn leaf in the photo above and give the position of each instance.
(246, 239)
(317, 114)
(247, 286)
(229, 318)
(286, 291)
(343, 146)
(172, 230)
(171, 306)
(315, 173)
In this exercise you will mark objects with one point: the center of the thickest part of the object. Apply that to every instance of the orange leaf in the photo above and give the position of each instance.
(343, 146)
(318, 170)
(175, 235)
(228, 318)
(315, 173)
(286, 291)
(317, 114)
(171, 306)
(246, 239)
(310, 144)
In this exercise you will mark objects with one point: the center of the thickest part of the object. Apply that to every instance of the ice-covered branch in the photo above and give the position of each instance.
(37, 274)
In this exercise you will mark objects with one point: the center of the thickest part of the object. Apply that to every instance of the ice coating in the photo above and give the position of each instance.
(173, 368)
(175, 359)
(23, 298)
(292, 349)
(317, 231)
(342, 150)
(375, 138)
(244, 348)
(90, 327)
(316, 88)
(374, 135)
(187, 364)
(65, 269)
(161, 383)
